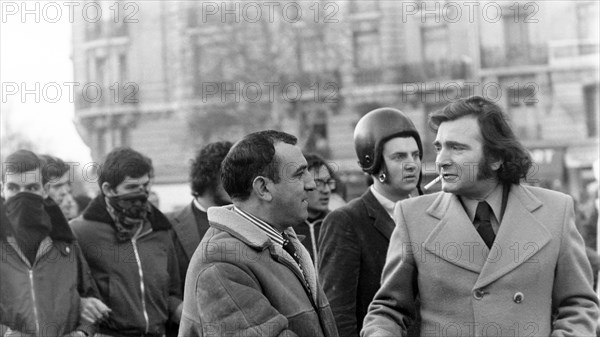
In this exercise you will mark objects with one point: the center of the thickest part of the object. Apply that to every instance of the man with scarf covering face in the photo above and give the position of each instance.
(127, 244)
(44, 275)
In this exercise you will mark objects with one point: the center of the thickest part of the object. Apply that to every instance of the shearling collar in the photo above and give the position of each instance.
(96, 211)
(226, 219)
(60, 226)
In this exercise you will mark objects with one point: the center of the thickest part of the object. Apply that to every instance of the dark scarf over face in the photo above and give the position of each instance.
(29, 220)
(130, 211)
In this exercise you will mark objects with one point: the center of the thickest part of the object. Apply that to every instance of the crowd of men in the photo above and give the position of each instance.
(258, 251)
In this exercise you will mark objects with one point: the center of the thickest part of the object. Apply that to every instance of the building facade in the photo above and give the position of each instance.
(176, 75)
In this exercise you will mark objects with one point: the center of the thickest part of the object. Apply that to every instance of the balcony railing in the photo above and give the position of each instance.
(358, 7)
(93, 31)
(101, 30)
(573, 50)
(414, 72)
(515, 55)
(106, 96)
(368, 76)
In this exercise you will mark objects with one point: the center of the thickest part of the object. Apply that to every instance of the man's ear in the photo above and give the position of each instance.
(262, 188)
(106, 190)
(495, 165)
(46, 190)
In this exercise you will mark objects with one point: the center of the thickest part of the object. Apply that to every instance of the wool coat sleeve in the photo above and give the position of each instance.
(230, 302)
(574, 301)
(339, 268)
(393, 308)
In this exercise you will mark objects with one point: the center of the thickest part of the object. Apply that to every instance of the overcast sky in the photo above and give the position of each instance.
(39, 53)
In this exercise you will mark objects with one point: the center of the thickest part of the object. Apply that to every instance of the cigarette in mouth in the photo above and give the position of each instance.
(433, 182)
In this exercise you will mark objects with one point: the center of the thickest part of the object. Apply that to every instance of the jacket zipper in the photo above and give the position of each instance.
(142, 287)
(311, 227)
(35, 312)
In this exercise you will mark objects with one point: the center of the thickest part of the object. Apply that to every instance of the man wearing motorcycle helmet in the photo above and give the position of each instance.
(354, 238)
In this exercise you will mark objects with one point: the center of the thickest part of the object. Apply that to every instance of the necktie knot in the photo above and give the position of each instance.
(483, 211)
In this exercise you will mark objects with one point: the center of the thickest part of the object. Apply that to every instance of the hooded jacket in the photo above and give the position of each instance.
(43, 299)
(138, 279)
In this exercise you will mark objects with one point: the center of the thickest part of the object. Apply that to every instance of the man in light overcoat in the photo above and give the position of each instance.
(487, 256)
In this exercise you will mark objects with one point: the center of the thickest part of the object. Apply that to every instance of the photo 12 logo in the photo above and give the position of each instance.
(53, 12)
(53, 92)
(254, 92)
(470, 11)
(268, 11)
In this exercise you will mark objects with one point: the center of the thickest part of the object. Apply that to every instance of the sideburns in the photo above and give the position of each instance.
(485, 171)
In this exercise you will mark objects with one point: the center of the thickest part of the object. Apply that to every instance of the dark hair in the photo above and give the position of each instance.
(205, 172)
(53, 168)
(499, 141)
(315, 162)
(249, 158)
(124, 162)
(19, 162)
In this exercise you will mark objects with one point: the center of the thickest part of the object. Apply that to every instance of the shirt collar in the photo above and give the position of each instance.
(262, 225)
(387, 204)
(494, 200)
(198, 206)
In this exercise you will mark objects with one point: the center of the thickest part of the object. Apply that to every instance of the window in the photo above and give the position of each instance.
(590, 94)
(521, 94)
(93, 28)
(367, 51)
(102, 142)
(100, 66)
(312, 50)
(316, 131)
(123, 136)
(357, 7)
(209, 65)
(435, 42)
(587, 20)
(123, 75)
(521, 97)
(516, 37)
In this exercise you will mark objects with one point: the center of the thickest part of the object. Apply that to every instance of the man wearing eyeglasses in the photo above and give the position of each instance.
(318, 203)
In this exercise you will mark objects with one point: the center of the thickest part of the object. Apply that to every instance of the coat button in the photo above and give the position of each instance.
(518, 298)
(478, 294)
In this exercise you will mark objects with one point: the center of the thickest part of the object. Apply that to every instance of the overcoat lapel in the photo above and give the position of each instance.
(454, 238)
(187, 230)
(520, 237)
(383, 222)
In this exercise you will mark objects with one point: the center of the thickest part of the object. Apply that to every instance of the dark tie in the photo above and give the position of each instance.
(288, 246)
(483, 223)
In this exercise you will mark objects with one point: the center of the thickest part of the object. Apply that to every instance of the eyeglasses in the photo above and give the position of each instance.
(322, 183)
